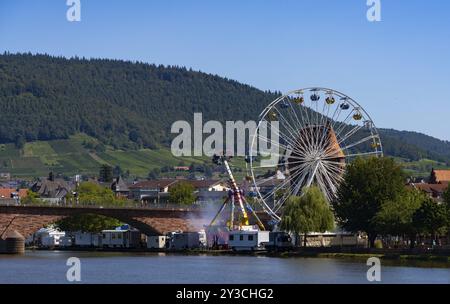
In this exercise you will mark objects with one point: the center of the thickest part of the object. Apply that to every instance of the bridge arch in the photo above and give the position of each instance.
(28, 219)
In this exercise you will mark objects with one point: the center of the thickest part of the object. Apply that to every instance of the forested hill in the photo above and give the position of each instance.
(124, 104)
(132, 105)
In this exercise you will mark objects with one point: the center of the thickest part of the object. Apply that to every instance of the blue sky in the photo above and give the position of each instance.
(398, 69)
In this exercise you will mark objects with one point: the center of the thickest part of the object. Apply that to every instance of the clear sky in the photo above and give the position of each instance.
(398, 69)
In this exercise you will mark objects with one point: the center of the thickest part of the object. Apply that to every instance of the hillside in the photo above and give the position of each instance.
(123, 104)
(71, 115)
(73, 156)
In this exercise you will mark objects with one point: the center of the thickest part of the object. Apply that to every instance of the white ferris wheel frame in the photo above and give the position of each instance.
(300, 92)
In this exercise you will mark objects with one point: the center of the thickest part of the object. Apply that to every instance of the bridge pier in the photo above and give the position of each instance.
(12, 243)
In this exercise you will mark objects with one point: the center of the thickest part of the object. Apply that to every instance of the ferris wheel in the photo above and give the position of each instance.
(316, 133)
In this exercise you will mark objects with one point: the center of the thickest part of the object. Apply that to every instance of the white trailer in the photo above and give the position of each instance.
(121, 238)
(49, 237)
(156, 242)
(83, 239)
(248, 239)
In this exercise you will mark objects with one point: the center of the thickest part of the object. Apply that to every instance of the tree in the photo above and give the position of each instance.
(154, 174)
(87, 223)
(396, 217)
(32, 198)
(182, 193)
(431, 219)
(367, 184)
(92, 194)
(117, 171)
(20, 142)
(307, 213)
(446, 197)
(106, 173)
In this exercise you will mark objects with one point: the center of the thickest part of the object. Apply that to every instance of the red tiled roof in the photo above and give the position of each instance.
(442, 175)
(431, 188)
(6, 192)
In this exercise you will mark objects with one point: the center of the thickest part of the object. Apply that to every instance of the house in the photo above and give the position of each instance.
(209, 190)
(11, 195)
(181, 168)
(5, 176)
(151, 190)
(435, 191)
(52, 190)
(120, 188)
(208, 185)
(438, 183)
(439, 176)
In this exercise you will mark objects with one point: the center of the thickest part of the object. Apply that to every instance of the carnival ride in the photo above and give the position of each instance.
(316, 133)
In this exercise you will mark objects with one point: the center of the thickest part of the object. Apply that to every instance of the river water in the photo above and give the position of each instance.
(50, 267)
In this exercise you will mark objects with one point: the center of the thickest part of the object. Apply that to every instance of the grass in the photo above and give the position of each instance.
(70, 157)
(421, 168)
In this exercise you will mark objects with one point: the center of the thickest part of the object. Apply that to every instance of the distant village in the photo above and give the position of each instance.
(54, 190)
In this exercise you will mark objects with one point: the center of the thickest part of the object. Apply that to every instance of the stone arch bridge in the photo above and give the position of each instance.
(158, 221)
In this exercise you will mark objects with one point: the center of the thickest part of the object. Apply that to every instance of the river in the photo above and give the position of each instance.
(50, 267)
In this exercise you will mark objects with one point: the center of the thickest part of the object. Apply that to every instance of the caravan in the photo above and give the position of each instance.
(249, 238)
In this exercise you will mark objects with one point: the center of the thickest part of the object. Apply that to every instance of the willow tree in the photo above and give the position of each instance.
(307, 213)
